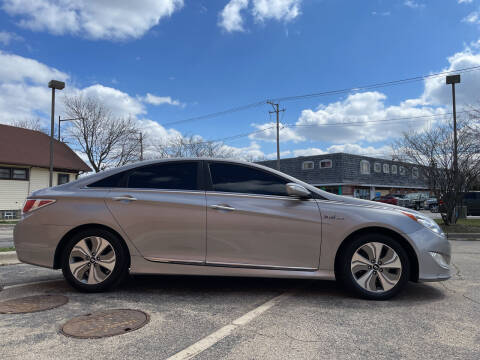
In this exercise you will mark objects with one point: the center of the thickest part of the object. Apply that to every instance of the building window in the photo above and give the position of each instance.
(365, 167)
(325, 164)
(386, 168)
(7, 173)
(63, 179)
(308, 165)
(415, 173)
(377, 167)
(402, 170)
(394, 169)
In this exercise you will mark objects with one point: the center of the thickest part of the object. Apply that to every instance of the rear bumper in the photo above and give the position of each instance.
(36, 244)
(426, 242)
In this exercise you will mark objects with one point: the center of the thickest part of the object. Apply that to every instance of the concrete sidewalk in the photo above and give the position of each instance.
(8, 258)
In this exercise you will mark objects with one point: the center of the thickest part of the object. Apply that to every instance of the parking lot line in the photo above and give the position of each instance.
(225, 331)
(30, 283)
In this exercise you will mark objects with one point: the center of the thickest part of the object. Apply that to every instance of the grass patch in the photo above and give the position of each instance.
(3, 222)
(462, 226)
(3, 249)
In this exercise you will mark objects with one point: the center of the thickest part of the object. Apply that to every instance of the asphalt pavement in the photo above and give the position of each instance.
(248, 318)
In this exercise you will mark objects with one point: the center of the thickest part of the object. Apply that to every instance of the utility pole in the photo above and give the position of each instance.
(277, 111)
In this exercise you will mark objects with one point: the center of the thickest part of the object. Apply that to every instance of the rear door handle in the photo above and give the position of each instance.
(123, 198)
(222, 207)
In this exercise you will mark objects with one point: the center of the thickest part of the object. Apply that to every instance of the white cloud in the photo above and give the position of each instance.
(366, 110)
(160, 100)
(230, 17)
(269, 133)
(465, 1)
(437, 93)
(281, 10)
(251, 152)
(472, 18)
(120, 103)
(7, 37)
(413, 4)
(382, 151)
(100, 19)
(23, 87)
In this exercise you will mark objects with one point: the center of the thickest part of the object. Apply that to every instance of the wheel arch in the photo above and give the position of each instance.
(414, 266)
(57, 260)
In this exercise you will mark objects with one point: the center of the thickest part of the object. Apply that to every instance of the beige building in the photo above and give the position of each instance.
(24, 166)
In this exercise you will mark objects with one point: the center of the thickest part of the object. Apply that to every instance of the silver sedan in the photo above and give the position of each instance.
(224, 218)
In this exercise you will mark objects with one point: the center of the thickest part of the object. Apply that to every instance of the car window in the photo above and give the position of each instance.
(244, 179)
(172, 176)
(114, 181)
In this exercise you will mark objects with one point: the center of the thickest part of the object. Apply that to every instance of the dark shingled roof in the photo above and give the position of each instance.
(29, 147)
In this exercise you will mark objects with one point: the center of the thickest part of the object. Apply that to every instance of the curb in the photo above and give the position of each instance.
(9, 258)
(463, 236)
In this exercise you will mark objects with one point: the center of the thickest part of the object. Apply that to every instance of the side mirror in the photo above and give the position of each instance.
(298, 191)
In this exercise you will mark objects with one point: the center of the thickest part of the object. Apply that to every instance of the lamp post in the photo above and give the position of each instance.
(59, 85)
(454, 79)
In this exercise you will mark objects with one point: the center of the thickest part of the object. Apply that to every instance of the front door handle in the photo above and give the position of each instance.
(222, 207)
(123, 198)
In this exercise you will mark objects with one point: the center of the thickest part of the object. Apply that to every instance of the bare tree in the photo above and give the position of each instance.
(191, 146)
(31, 124)
(432, 151)
(107, 141)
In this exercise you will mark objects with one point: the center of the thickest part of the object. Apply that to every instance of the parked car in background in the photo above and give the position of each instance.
(394, 199)
(417, 200)
(432, 204)
(472, 201)
(225, 218)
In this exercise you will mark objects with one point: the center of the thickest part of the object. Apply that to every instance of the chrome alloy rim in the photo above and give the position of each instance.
(376, 267)
(92, 260)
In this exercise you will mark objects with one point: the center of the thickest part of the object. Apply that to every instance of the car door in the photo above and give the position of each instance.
(252, 222)
(162, 209)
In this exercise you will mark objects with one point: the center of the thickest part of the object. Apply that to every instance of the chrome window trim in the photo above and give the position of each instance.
(262, 196)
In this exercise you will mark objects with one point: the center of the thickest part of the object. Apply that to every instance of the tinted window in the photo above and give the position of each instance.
(244, 179)
(179, 176)
(113, 181)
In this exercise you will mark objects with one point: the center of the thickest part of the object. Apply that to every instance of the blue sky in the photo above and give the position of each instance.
(167, 60)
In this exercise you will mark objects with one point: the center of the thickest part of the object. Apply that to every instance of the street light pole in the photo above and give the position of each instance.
(59, 85)
(454, 79)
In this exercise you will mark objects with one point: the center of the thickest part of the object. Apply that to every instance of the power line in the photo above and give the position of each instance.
(320, 94)
(377, 85)
(361, 123)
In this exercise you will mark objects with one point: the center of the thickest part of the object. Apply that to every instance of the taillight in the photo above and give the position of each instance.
(34, 204)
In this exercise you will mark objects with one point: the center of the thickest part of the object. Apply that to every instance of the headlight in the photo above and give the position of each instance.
(425, 221)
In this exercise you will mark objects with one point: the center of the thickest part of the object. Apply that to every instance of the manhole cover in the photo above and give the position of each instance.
(32, 304)
(105, 323)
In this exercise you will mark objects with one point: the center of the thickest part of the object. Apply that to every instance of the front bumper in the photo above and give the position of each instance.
(426, 242)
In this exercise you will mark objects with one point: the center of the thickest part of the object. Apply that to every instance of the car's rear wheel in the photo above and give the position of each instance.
(374, 266)
(94, 260)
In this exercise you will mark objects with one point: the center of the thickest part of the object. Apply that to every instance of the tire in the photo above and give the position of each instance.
(387, 276)
(88, 271)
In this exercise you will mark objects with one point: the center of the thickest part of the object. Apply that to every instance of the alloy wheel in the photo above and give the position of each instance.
(376, 267)
(92, 260)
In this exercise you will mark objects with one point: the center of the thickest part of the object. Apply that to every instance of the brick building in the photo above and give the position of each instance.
(354, 175)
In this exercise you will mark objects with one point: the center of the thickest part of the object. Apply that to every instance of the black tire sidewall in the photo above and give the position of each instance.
(347, 276)
(119, 271)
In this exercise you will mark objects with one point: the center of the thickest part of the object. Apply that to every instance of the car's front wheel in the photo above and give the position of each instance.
(94, 260)
(374, 266)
